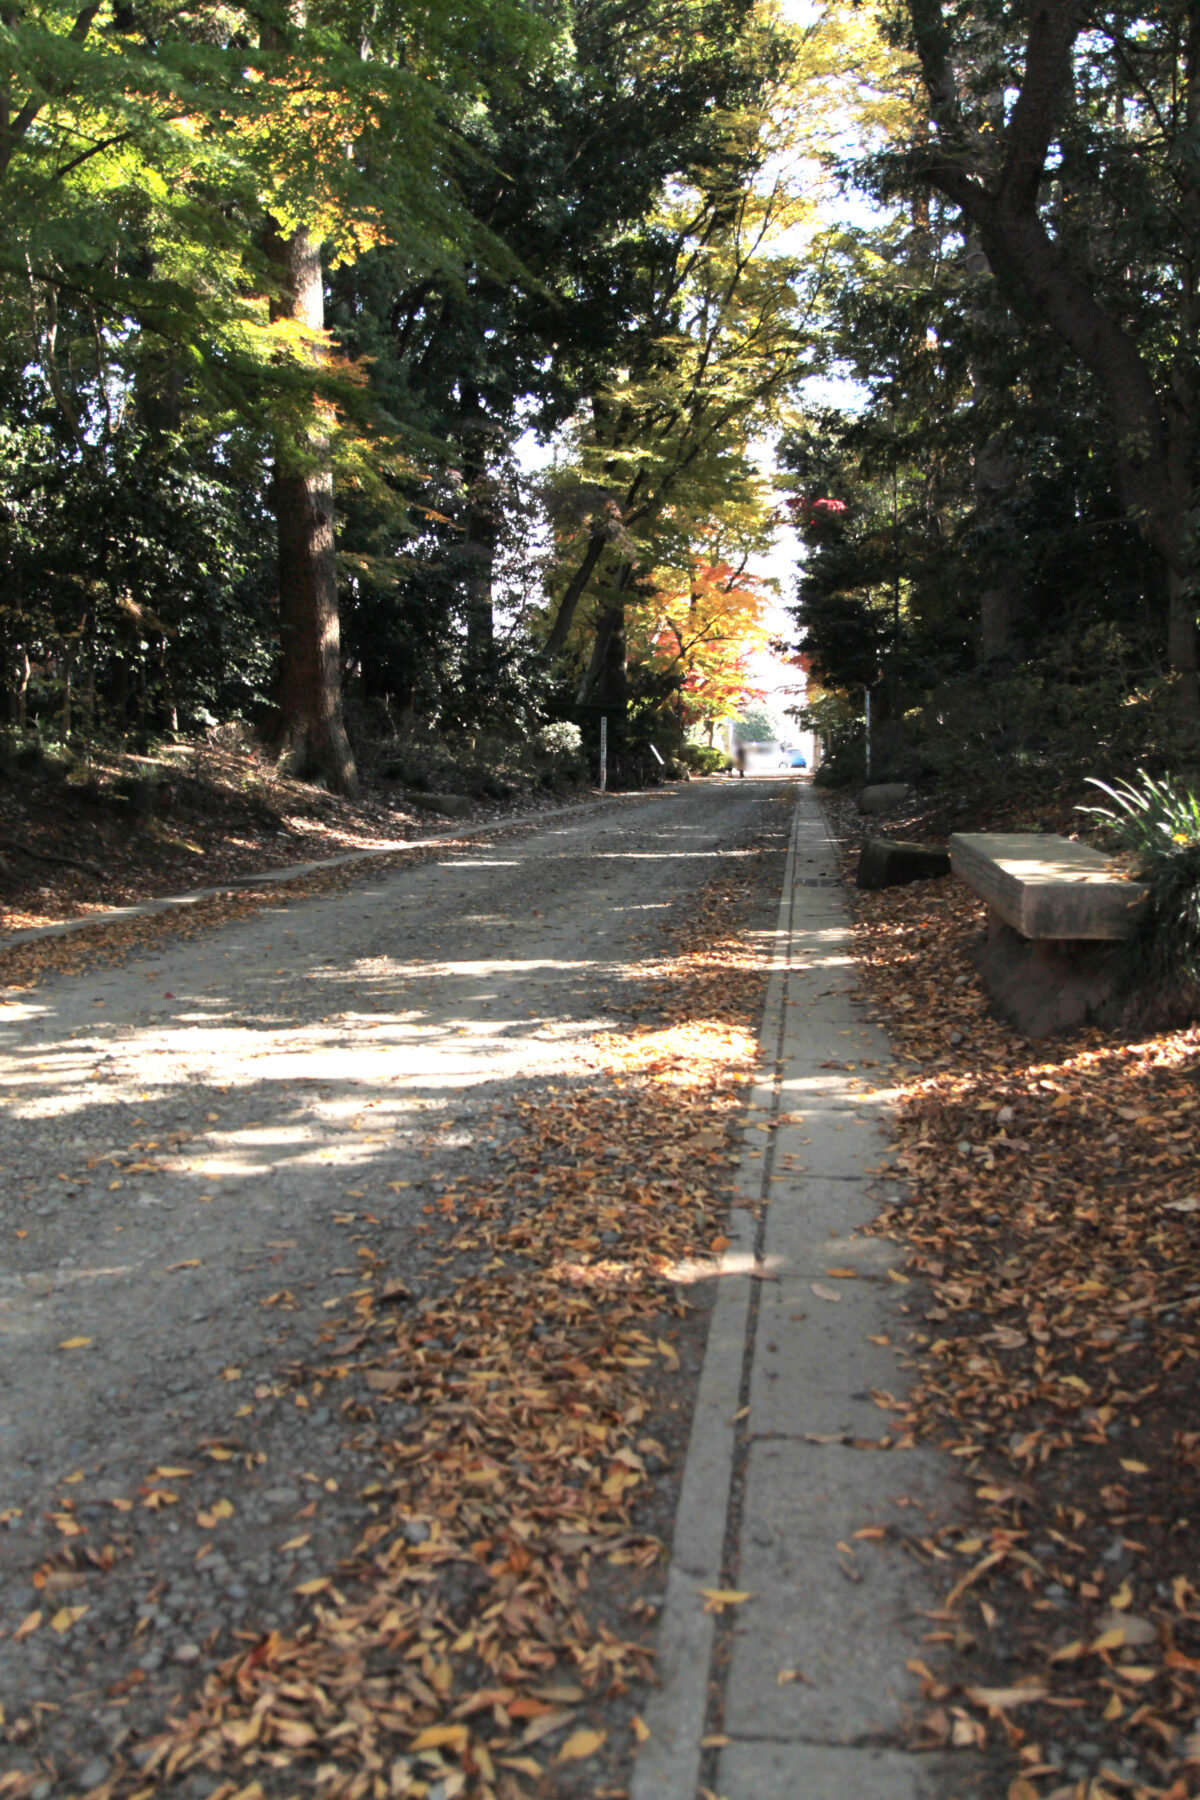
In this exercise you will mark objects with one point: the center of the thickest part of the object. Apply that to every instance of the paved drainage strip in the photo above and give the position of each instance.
(670, 1761)
(720, 1717)
(145, 909)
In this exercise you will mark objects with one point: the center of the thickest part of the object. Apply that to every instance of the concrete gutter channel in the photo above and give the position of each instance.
(786, 1462)
(145, 909)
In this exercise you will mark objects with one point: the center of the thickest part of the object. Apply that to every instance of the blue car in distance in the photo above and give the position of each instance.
(793, 759)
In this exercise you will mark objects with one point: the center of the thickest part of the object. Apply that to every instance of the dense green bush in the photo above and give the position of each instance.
(704, 759)
(1045, 724)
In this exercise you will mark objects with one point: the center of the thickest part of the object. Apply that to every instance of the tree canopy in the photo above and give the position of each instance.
(367, 368)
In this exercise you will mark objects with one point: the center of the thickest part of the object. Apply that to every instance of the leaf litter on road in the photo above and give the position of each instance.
(456, 1651)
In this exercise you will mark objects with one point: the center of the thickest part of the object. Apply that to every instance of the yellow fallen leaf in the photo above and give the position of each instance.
(218, 1453)
(1023, 1694)
(524, 1765)
(1123, 1598)
(581, 1744)
(28, 1625)
(222, 1509)
(442, 1737)
(193, 1262)
(172, 1474)
(80, 1343)
(1112, 1639)
(65, 1617)
(717, 1599)
(1133, 1467)
(296, 1543)
(641, 1730)
(317, 1585)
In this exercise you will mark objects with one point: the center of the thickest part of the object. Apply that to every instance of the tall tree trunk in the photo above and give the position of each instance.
(481, 532)
(604, 689)
(1045, 275)
(312, 732)
(1001, 598)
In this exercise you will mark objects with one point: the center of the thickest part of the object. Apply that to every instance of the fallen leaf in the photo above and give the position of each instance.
(65, 1617)
(442, 1737)
(1022, 1693)
(581, 1744)
(717, 1599)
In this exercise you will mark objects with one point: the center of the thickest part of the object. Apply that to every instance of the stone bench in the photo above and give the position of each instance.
(1047, 887)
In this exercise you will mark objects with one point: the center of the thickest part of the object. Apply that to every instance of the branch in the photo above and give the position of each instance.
(1053, 28)
(15, 133)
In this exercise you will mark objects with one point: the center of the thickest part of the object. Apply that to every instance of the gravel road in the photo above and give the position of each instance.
(198, 1151)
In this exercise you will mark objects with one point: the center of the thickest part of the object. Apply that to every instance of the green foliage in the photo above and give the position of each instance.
(561, 743)
(704, 759)
(1156, 822)
(838, 724)
(1024, 731)
(757, 724)
(1153, 820)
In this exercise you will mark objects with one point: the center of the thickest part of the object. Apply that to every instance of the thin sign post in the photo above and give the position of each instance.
(603, 753)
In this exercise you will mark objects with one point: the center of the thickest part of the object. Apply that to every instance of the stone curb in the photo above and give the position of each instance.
(668, 1762)
(783, 1469)
(145, 909)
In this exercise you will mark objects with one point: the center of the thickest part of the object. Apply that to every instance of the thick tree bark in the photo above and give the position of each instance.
(1154, 430)
(573, 592)
(1002, 594)
(312, 732)
(481, 534)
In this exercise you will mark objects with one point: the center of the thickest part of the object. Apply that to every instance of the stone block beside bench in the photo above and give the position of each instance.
(1056, 909)
(890, 862)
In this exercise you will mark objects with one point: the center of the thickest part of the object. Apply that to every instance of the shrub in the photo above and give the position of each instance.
(1157, 825)
(561, 743)
(705, 759)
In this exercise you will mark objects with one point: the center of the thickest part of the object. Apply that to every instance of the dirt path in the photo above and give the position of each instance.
(205, 1152)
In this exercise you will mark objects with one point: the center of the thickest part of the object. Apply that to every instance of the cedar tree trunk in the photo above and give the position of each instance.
(312, 733)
